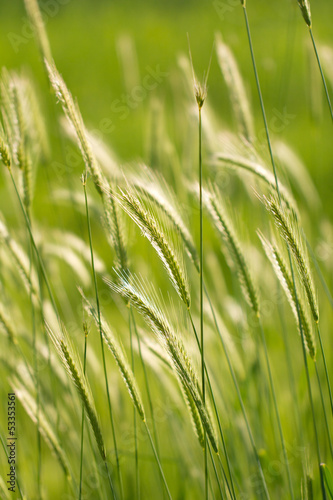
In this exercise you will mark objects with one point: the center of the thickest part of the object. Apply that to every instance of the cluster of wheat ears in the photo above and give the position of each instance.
(257, 392)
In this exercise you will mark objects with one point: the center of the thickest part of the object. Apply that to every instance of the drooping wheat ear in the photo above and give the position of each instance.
(289, 230)
(21, 260)
(161, 196)
(73, 114)
(283, 274)
(29, 404)
(23, 151)
(228, 234)
(195, 416)
(236, 89)
(255, 168)
(6, 323)
(172, 344)
(5, 155)
(119, 357)
(155, 235)
(73, 367)
(36, 20)
(115, 230)
(306, 13)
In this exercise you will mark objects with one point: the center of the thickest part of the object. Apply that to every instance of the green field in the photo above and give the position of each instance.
(258, 423)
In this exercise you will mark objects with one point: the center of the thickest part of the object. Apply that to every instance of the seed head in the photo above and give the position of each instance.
(5, 154)
(305, 9)
(200, 92)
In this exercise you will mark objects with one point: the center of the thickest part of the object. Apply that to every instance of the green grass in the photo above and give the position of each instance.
(246, 397)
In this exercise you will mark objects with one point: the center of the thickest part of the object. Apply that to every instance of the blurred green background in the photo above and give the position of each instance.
(84, 36)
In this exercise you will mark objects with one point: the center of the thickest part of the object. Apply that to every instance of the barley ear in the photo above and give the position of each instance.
(73, 114)
(228, 234)
(74, 369)
(306, 13)
(289, 230)
(36, 20)
(5, 155)
(119, 357)
(281, 270)
(156, 236)
(181, 363)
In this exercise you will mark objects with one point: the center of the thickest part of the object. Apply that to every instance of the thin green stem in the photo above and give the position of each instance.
(325, 366)
(145, 374)
(137, 477)
(34, 348)
(101, 339)
(277, 413)
(215, 410)
(216, 473)
(319, 272)
(324, 410)
(321, 73)
(82, 417)
(240, 399)
(288, 248)
(158, 461)
(201, 301)
(39, 259)
(311, 402)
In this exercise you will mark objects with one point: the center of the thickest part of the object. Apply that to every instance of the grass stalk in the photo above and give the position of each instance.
(240, 399)
(158, 461)
(289, 252)
(137, 476)
(201, 301)
(34, 344)
(276, 408)
(321, 73)
(325, 366)
(324, 410)
(85, 329)
(84, 179)
(232, 490)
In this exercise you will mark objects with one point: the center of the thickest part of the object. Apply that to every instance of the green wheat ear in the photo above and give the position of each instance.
(289, 230)
(280, 268)
(73, 115)
(305, 9)
(119, 357)
(181, 362)
(153, 231)
(225, 228)
(73, 367)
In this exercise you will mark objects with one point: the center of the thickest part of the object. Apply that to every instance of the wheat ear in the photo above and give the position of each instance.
(174, 347)
(281, 270)
(162, 197)
(151, 230)
(74, 369)
(73, 114)
(228, 234)
(236, 89)
(119, 357)
(289, 230)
